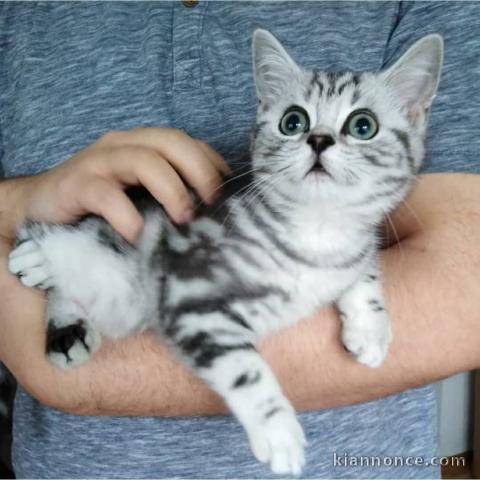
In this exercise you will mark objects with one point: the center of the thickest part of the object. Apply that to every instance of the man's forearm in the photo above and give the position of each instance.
(431, 291)
(13, 194)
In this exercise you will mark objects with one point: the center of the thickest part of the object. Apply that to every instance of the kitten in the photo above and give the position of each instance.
(332, 153)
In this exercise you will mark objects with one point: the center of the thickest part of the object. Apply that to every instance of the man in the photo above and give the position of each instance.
(70, 72)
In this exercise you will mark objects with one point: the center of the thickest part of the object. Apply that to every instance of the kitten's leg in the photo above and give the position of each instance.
(70, 339)
(223, 355)
(92, 286)
(366, 324)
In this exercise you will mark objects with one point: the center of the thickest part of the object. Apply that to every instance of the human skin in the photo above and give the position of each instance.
(429, 278)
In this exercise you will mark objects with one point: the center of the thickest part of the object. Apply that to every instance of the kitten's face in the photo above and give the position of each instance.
(343, 138)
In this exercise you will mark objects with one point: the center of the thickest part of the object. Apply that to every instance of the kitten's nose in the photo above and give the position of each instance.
(319, 143)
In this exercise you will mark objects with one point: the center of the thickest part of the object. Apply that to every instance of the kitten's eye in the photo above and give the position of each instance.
(295, 120)
(361, 124)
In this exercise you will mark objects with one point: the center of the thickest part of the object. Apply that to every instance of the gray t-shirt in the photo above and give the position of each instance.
(71, 71)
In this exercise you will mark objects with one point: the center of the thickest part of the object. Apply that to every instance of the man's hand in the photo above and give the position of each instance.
(161, 159)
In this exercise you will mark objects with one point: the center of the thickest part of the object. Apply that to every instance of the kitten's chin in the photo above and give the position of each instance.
(317, 186)
(317, 178)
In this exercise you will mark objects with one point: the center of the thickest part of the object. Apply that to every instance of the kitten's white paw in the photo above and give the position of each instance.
(71, 345)
(369, 344)
(28, 263)
(280, 442)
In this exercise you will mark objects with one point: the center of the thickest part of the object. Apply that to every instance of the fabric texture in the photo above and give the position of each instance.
(71, 71)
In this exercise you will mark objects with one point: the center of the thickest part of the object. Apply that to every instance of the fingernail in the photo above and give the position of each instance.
(186, 216)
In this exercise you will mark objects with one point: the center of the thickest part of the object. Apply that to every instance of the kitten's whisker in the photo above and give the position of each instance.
(268, 185)
(255, 188)
(235, 177)
(412, 211)
(250, 187)
(387, 216)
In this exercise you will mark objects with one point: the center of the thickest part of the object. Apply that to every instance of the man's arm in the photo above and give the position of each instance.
(432, 293)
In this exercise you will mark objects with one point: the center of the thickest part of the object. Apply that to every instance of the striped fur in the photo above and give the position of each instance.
(294, 232)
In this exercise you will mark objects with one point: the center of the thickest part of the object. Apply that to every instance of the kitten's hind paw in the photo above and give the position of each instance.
(71, 345)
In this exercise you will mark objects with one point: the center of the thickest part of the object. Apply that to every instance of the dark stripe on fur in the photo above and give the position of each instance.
(272, 412)
(203, 349)
(271, 236)
(198, 261)
(375, 304)
(353, 81)
(403, 139)
(390, 179)
(235, 232)
(355, 97)
(246, 380)
(158, 258)
(275, 214)
(205, 306)
(332, 81)
(222, 304)
(353, 260)
(108, 239)
(314, 81)
(374, 160)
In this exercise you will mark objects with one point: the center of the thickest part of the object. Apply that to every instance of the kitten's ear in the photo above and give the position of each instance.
(415, 76)
(272, 65)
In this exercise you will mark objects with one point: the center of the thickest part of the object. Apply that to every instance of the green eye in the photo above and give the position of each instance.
(361, 124)
(295, 120)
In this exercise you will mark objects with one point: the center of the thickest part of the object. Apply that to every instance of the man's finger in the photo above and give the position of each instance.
(107, 200)
(139, 165)
(215, 157)
(199, 166)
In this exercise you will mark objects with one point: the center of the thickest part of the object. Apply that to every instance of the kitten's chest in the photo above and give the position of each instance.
(307, 290)
(311, 289)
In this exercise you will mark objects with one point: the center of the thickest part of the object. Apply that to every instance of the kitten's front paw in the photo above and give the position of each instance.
(71, 345)
(368, 343)
(27, 262)
(280, 442)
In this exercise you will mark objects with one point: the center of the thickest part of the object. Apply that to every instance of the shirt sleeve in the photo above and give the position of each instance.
(453, 142)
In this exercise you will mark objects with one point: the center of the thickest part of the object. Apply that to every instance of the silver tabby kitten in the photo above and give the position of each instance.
(331, 154)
